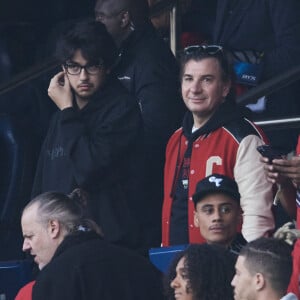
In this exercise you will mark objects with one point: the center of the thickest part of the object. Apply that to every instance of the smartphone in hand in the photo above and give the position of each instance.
(269, 152)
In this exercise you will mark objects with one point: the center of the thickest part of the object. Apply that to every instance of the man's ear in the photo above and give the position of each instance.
(226, 88)
(259, 281)
(240, 216)
(196, 219)
(54, 228)
(125, 21)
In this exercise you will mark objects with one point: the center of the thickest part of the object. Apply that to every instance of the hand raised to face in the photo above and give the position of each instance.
(60, 91)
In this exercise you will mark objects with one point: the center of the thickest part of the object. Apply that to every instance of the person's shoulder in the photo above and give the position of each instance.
(102, 261)
(25, 293)
(146, 36)
(237, 244)
(241, 128)
(176, 134)
(114, 94)
(149, 46)
(100, 256)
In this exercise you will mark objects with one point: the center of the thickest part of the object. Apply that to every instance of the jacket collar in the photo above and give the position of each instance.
(76, 238)
(136, 35)
(226, 113)
(110, 87)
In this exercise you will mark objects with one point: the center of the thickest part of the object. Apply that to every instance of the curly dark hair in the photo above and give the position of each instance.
(210, 269)
(91, 38)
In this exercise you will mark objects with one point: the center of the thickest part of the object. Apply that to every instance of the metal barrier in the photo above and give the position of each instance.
(173, 30)
(268, 87)
(263, 89)
(31, 73)
(279, 123)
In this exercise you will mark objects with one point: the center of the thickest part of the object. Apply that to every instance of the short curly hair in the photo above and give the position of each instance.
(210, 269)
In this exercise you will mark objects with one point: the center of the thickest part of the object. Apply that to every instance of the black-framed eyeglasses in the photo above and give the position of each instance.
(209, 49)
(75, 69)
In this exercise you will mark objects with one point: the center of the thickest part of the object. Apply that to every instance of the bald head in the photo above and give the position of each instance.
(135, 7)
(120, 16)
(113, 6)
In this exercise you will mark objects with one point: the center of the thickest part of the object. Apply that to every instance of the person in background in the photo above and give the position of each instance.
(286, 174)
(269, 30)
(74, 260)
(149, 71)
(263, 270)
(201, 272)
(25, 293)
(217, 211)
(215, 137)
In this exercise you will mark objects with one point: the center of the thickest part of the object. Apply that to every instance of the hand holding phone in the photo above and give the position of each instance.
(270, 153)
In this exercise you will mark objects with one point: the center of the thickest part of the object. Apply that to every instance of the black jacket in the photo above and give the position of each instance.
(86, 267)
(97, 149)
(269, 26)
(149, 71)
(272, 27)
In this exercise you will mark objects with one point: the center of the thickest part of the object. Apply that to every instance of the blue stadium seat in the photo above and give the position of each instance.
(13, 276)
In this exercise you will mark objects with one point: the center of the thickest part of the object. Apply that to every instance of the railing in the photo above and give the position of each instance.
(43, 68)
(173, 30)
(162, 6)
(30, 74)
(271, 85)
(280, 123)
(268, 87)
(263, 89)
(253, 94)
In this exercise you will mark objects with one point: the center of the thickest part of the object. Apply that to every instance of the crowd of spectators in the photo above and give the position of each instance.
(154, 165)
(216, 137)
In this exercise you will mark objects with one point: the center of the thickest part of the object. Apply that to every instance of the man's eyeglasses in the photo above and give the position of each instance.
(208, 49)
(75, 69)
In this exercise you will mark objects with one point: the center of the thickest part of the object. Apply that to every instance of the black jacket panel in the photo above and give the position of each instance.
(99, 149)
(86, 267)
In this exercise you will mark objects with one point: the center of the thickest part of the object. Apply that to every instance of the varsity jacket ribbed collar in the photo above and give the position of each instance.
(227, 112)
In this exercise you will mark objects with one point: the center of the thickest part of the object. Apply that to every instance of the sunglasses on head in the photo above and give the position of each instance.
(208, 49)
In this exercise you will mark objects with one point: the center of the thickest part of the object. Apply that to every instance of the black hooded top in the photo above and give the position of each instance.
(97, 149)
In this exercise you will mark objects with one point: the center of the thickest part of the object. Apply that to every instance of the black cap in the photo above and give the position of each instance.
(216, 183)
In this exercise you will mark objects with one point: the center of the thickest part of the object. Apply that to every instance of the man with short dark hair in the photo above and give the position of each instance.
(217, 211)
(263, 271)
(149, 71)
(216, 137)
(94, 139)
